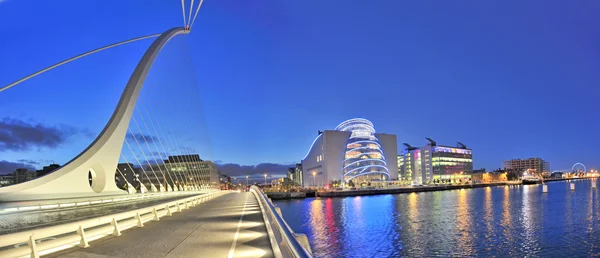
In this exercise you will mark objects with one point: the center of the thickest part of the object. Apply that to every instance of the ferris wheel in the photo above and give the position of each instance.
(579, 168)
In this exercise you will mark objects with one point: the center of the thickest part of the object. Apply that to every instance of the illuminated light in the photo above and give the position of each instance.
(366, 167)
(50, 206)
(107, 201)
(253, 253)
(28, 208)
(95, 202)
(83, 203)
(311, 147)
(67, 204)
(364, 160)
(11, 209)
(250, 235)
(377, 172)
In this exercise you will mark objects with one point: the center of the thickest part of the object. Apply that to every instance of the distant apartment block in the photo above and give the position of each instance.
(537, 164)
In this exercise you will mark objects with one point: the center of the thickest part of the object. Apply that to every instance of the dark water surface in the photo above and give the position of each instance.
(504, 221)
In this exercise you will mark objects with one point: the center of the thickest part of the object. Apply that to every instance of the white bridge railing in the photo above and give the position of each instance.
(284, 241)
(59, 237)
(82, 202)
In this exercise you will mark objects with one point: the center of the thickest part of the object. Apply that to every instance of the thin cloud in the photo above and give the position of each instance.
(7, 167)
(141, 138)
(232, 169)
(19, 135)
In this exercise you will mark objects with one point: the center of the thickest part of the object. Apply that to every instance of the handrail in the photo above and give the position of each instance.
(286, 234)
(57, 204)
(79, 233)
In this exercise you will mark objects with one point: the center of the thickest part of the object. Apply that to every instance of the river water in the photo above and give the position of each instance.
(505, 221)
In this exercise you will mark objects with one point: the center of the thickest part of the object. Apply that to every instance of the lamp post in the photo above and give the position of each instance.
(246, 182)
(265, 179)
(314, 179)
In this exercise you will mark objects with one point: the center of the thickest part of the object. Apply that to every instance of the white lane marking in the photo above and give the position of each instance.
(237, 232)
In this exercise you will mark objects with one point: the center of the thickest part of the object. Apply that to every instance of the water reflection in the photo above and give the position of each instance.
(511, 221)
(463, 225)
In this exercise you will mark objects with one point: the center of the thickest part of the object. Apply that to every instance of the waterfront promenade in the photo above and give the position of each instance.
(231, 225)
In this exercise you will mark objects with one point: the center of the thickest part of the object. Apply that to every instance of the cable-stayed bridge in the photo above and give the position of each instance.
(144, 166)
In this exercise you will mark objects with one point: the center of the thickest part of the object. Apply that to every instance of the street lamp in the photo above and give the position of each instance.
(265, 179)
(246, 181)
(314, 179)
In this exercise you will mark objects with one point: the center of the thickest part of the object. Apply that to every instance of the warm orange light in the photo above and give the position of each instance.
(314, 173)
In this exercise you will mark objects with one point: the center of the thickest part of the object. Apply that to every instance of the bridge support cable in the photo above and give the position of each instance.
(143, 188)
(196, 15)
(151, 153)
(199, 110)
(137, 179)
(183, 12)
(160, 187)
(73, 59)
(178, 179)
(158, 151)
(129, 185)
(177, 183)
(185, 161)
(152, 186)
(193, 165)
(190, 15)
(189, 110)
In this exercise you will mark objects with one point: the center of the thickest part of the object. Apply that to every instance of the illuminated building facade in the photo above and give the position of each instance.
(538, 165)
(352, 152)
(436, 164)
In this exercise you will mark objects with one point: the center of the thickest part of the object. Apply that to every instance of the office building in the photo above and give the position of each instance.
(6, 180)
(435, 163)
(23, 175)
(351, 154)
(47, 169)
(536, 165)
(295, 174)
(127, 173)
(182, 171)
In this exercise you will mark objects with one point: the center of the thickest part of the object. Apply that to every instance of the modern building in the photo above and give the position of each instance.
(6, 180)
(351, 154)
(127, 173)
(298, 178)
(23, 175)
(435, 163)
(295, 174)
(480, 177)
(182, 171)
(538, 165)
(47, 169)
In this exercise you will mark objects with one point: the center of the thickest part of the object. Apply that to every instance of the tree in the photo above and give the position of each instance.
(350, 183)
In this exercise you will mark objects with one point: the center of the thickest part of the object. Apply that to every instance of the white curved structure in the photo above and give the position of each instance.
(101, 157)
(364, 158)
(352, 151)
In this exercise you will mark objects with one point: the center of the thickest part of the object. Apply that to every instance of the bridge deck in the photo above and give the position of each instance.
(15, 222)
(216, 228)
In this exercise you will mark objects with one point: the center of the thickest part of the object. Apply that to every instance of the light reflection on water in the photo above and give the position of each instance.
(492, 221)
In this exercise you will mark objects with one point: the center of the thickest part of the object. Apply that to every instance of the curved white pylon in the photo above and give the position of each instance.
(101, 157)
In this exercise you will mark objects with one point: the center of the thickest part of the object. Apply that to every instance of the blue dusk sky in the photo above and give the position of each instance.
(510, 78)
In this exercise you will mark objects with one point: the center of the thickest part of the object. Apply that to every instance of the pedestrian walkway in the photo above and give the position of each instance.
(228, 226)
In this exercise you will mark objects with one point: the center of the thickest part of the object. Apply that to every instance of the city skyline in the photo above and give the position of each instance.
(445, 77)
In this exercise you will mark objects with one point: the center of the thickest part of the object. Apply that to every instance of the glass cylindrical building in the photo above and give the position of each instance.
(364, 160)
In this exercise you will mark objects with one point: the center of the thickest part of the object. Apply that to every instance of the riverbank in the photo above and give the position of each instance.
(398, 190)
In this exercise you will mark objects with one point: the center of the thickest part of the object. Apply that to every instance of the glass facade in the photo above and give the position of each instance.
(451, 161)
(363, 158)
